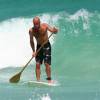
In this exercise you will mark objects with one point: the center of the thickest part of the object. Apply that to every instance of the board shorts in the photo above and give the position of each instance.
(44, 54)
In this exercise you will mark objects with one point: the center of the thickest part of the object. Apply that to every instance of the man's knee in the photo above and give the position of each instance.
(37, 65)
(47, 65)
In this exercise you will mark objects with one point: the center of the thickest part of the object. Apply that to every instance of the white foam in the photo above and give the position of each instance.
(14, 42)
(40, 96)
(84, 15)
(46, 97)
(15, 48)
(81, 13)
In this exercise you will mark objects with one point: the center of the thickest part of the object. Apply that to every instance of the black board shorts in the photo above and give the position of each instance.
(44, 54)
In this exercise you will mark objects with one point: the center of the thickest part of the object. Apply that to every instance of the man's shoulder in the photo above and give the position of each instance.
(44, 24)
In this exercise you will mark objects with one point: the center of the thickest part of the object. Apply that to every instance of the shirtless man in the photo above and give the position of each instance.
(39, 31)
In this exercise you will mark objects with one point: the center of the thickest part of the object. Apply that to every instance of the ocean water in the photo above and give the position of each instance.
(75, 49)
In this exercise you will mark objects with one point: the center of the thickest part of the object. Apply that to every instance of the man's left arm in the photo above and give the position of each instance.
(52, 29)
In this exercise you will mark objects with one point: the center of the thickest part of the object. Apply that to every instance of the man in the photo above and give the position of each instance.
(39, 31)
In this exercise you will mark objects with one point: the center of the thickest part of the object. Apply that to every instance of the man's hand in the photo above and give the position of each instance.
(34, 54)
(55, 30)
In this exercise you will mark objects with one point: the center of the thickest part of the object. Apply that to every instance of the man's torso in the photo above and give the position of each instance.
(41, 34)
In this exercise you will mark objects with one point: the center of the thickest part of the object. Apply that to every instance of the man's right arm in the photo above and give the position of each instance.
(31, 40)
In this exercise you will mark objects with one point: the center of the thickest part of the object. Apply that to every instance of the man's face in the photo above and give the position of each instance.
(36, 24)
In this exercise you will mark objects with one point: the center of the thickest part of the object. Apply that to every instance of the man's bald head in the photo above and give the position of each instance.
(36, 22)
(36, 19)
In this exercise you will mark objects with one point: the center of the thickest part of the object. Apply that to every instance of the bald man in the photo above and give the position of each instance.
(40, 32)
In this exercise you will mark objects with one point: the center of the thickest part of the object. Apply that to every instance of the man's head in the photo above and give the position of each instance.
(36, 22)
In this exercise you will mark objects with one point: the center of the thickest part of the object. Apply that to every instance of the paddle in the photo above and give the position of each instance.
(16, 78)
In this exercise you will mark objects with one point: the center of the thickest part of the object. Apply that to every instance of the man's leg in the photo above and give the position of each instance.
(39, 59)
(47, 60)
(48, 72)
(38, 71)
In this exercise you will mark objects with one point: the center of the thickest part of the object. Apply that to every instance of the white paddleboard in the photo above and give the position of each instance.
(43, 83)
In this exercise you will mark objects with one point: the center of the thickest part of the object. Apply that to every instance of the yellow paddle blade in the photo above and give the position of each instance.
(15, 78)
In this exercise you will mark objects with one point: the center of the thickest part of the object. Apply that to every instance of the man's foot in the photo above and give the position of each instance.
(38, 80)
(51, 81)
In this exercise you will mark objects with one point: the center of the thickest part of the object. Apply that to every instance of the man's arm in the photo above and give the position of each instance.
(52, 29)
(31, 40)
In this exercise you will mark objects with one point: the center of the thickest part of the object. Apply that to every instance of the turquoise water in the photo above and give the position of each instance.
(75, 49)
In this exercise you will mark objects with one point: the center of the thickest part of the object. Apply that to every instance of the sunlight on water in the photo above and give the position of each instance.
(43, 97)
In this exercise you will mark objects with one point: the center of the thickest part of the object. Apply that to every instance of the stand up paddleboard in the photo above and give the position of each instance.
(41, 83)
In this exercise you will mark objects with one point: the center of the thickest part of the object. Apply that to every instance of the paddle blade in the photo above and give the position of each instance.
(15, 78)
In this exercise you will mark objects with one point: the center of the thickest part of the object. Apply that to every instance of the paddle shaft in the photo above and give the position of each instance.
(36, 53)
